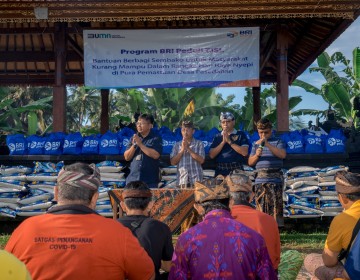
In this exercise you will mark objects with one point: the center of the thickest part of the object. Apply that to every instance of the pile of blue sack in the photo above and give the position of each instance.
(315, 141)
(26, 191)
(111, 143)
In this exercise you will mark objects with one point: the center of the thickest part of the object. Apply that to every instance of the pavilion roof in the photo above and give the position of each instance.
(27, 44)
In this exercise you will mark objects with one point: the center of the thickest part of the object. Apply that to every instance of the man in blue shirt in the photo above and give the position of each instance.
(144, 150)
(230, 147)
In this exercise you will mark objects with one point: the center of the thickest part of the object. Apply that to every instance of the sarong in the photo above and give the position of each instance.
(171, 206)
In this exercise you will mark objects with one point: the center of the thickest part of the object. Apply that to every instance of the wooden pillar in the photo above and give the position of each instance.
(282, 87)
(59, 93)
(256, 91)
(104, 119)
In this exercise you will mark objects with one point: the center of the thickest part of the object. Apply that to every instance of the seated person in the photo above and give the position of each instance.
(241, 195)
(72, 241)
(11, 268)
(327, 266)
(154, 236)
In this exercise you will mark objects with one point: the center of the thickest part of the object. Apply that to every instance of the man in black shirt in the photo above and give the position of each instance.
(153, 235)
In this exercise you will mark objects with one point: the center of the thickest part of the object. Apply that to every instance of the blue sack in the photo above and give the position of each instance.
(352, 263)
(109, 144)
(313, 144)
(36, 144)
(294, 142)
(335, 141)
(91, 145)
(73, 144)
(54, 143)
(168, 142)
(17, 144)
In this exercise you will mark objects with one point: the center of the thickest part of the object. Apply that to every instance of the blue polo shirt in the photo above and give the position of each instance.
(227, 153)
(143, 167)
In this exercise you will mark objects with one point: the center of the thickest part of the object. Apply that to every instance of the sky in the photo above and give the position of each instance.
(345, 43)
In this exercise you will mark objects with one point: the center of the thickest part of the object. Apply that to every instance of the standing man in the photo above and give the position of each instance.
(144, 150)
(154, 236)
(267, 155)
(240, 197)
(188, 155)
(230, 147)
(219, 247)
(327, 265)
(71, 241)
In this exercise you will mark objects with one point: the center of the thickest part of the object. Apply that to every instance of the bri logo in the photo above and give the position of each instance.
(245, 32)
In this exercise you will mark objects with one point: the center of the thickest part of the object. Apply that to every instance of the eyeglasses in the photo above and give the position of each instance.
(141, 124)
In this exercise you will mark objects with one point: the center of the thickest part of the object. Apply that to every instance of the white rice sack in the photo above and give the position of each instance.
(105, 212)
(103, 204)
(110, 169)
(14, 177)
(169, 170)
(291, 180)
(303, 190)
(332, 209)
(109, 166)
(329, 198)
(332, 170)
(299, 169)
(47, 167)
(103, 192)
(38, 205)
(47, 177)
(12, 184)
(209, 173)
(114, 184)
(7, 212)
(248, 168)
(10, 194)
(327, 193)
(30, 213)
(112, 175)
(307, 209)
(168, 177)
(325, 179)
(301, 213)
(8, 170)
(8, 205)
(170, 184)
(45, 197)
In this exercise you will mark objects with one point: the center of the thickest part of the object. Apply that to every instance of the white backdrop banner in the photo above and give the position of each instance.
(156, 58)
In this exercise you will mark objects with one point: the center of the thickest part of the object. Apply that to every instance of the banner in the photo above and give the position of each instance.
(172, 58)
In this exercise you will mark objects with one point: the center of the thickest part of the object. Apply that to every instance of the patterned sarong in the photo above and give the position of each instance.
(171, 206)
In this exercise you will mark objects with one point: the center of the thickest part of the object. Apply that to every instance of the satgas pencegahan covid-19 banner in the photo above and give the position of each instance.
(218, 57)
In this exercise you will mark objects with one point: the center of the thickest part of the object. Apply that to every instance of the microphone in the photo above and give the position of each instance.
(262, 145)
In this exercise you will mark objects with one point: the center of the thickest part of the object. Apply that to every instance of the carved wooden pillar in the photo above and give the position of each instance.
(282, 87)
(256, 91)
(59, 93)
(104, 119)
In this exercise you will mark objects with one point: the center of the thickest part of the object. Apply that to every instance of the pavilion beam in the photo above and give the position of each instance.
(282, 86)
(256, 91)
(59, 93)
(104, 119)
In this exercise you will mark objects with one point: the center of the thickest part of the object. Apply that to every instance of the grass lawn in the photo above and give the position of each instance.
(303, 242)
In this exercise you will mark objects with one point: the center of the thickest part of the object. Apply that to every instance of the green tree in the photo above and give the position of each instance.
(25, 110)
(339, 91)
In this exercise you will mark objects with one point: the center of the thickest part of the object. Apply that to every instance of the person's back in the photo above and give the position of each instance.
(76, 246)
(154, 236)
(219, 247)
(241, 195)
(262, 223)
(72, 241)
